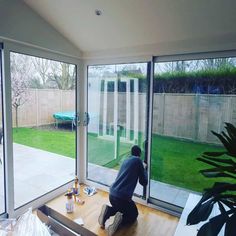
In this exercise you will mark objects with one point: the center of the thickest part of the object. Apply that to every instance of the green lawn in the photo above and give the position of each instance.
(101, 151)
(60, 142)
(63, 142)
(173, 160)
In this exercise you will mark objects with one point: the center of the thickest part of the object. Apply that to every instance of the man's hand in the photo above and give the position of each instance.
(145, 165)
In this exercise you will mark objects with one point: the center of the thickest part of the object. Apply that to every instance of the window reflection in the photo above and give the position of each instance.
(43, 113)
(191, 98)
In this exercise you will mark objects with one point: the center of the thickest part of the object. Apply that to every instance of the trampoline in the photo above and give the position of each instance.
(62, 117)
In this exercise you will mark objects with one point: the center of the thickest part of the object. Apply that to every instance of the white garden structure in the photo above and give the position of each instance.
(112, 129)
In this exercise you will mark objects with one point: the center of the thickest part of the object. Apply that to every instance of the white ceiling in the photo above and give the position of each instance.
(132, 23)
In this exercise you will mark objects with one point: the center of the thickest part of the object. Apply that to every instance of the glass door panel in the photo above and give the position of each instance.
(44, 132)
(2, 170)
(190, 99)
(117, 110)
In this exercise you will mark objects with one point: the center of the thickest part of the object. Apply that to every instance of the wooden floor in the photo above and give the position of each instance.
(150, 222)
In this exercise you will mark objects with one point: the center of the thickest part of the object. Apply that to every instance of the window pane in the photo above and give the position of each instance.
(191, 98)
(2, 175)
(43, 112)
(117, 109)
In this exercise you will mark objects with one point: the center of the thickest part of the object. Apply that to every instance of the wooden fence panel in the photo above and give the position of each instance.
(27, 114)
(41, 104)
(188, 116)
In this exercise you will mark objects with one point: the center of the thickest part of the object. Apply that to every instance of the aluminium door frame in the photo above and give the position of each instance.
(147, 60)
(165, 206)
(9, 47)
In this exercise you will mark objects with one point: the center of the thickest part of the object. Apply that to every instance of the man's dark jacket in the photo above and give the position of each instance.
(130, 172)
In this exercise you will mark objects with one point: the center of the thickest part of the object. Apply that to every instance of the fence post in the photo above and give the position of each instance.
(37, 106)
(196, 128)
(60, 99)
(163, 113)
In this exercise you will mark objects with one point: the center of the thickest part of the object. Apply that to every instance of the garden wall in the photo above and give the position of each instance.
(193, 116)
(180, 115)
(41, 104)
(177, 115)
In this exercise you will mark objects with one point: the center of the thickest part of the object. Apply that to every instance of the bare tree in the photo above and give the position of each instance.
(20, 77)
(52, 74)
(217, 63)
(63, 75)
(42, 69)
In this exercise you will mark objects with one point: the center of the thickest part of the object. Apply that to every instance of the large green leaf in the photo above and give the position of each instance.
(221, 193)
(228, 203)
(215, 174)
(220, 187)
(214, 154)
(200, 213)
(230, 197)
(220, 170)
(222, 208)
(224, 141)
(231, 130)
(229, 139)
(207, 161)
(221, 160)
(230, 227)
(213, 226)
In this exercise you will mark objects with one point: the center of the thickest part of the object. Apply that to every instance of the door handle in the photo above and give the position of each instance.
(77, 119)
(86, 119)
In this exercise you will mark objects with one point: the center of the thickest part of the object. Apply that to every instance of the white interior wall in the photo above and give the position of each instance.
(19, 23)
(142, 28)
(140, 53)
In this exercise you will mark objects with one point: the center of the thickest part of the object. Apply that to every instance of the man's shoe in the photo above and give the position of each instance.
(104, 215)
(116, 224)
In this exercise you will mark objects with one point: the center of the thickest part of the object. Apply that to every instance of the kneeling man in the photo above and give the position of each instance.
(132, 170)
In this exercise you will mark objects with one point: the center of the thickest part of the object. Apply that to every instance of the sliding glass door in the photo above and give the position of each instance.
(2, 168)
(117, 111)
(44, 125)
(190, 98)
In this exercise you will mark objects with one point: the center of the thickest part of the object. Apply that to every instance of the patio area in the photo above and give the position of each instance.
(37, 172)
(161, 191)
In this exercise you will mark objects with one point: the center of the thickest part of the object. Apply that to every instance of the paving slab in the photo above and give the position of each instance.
(37, 172)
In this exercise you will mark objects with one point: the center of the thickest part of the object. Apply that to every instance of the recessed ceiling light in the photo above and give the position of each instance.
(98, 12)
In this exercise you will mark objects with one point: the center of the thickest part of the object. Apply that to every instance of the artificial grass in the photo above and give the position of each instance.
(61, 142)
(173, 160)
(56, 141)
(101, 151)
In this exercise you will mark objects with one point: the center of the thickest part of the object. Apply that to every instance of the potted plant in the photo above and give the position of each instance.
(222, 194)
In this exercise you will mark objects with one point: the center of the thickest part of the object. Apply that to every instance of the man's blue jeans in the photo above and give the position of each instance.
(128, 208)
